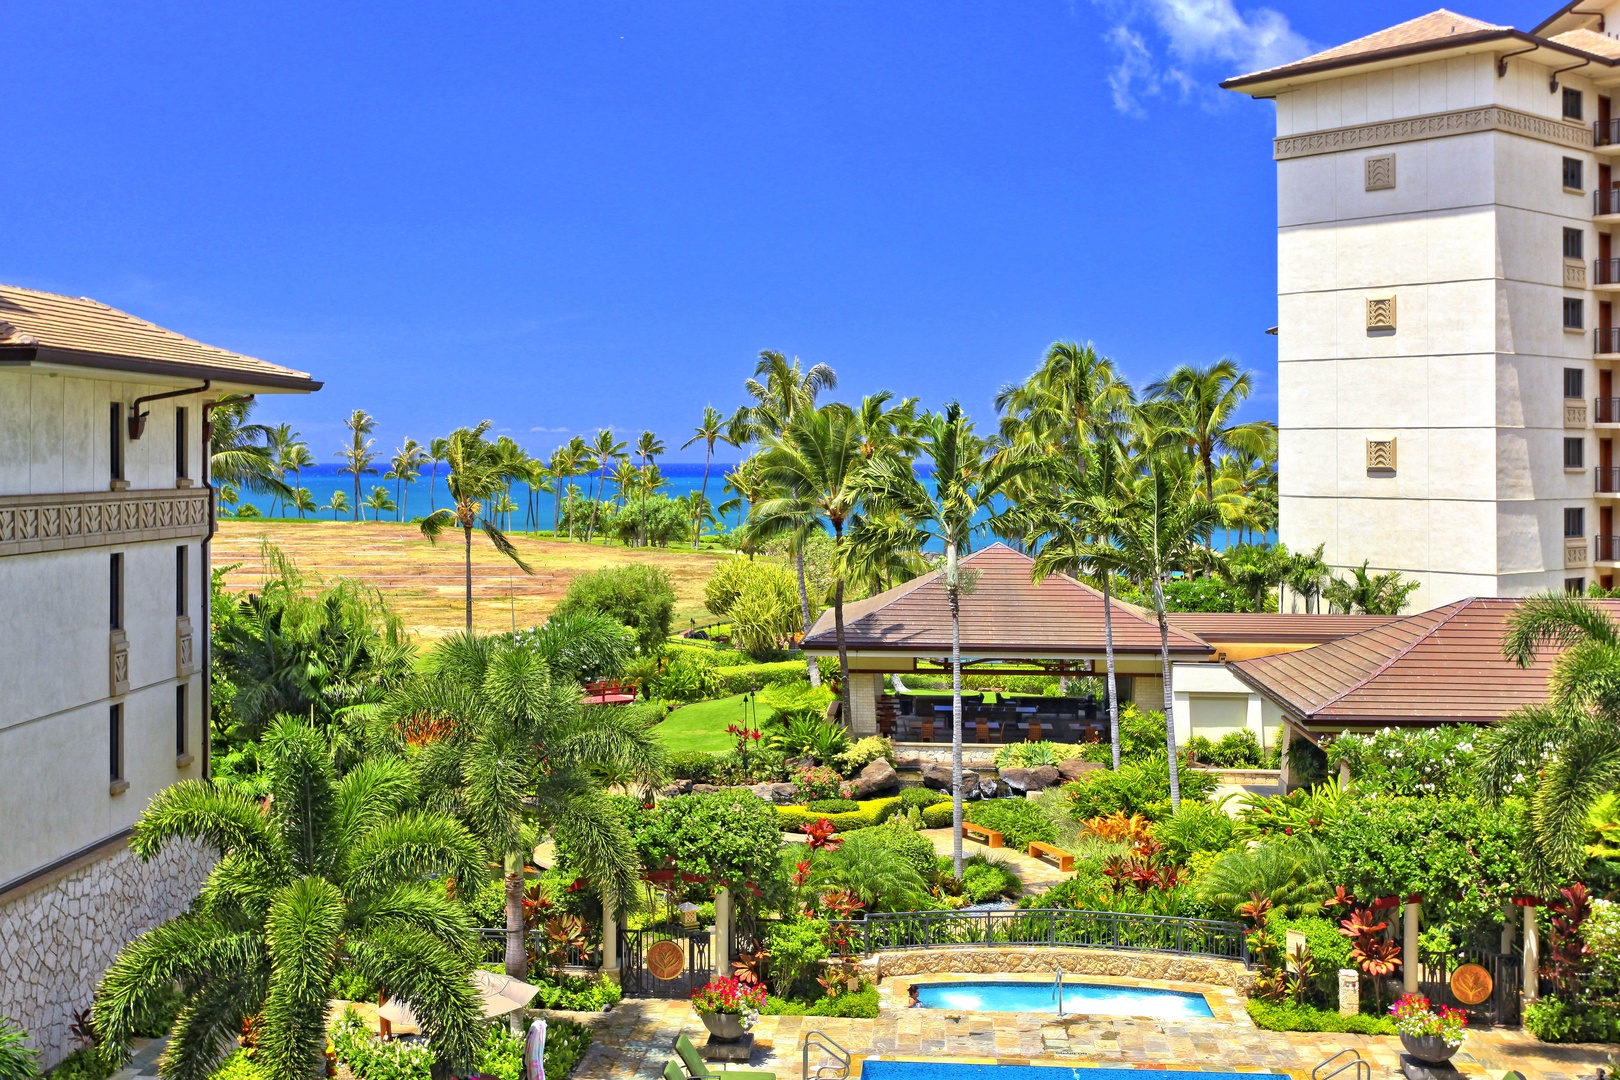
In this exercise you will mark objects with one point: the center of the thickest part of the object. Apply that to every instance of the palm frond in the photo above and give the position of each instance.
(412, 846)
(301, 936)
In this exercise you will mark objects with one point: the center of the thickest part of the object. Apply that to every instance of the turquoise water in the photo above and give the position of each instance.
(1078, 997)
(876, 1069)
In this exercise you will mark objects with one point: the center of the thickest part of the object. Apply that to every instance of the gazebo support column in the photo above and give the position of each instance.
(864, 688)
(1412, 963)
(610, 940)
(1532, 955)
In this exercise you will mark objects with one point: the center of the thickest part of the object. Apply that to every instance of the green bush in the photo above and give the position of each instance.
(741, 678)
(581, 645)
(1430, 761)
(1019, 821)
(577, 993)
(717, 836)
(1031, 755)
(921, 797)
(832, 806)
(986, 878)
(1196, 827)
(83, 1064)
(861, 1004)
(1235, 750)
(1557, 1021)
(238, 1066)
(18, 1060)
(566, 1042)
(798, 945)
(759, 598)
(1329, 948)
(939, 815)
(686, 676)
(371, 1057)
(898, 836)
(872, 812)
(639, 596)
(1139, 787)
(1286, 1016)
(158, 1013)
(863, 752)
(694, 765)
(721, 656)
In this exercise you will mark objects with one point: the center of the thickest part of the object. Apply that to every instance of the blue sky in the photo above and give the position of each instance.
(570, 215)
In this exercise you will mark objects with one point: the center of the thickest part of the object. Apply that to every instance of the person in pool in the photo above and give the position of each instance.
(912, 1001)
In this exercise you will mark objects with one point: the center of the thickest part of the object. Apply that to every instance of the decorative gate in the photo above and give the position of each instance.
(1491, 979)
(666, 960)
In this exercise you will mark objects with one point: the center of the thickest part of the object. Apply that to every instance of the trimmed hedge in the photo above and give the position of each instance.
(741, 678)
(1286, 1016)
(939, 815)
(872, 812)
(862, 1004)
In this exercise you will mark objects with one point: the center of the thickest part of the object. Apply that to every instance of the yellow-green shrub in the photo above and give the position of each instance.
(872, 812)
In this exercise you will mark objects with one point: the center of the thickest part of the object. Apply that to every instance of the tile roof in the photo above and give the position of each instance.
(1282, 628)
(48, 328)
(1434, 30)
(1004, 614)
(1444, 665)
(1589, 41)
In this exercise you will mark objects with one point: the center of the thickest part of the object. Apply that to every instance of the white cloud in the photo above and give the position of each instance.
(1186, 46)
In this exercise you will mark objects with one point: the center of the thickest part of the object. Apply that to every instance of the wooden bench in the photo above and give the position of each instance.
(1057, 855)
(987, 837)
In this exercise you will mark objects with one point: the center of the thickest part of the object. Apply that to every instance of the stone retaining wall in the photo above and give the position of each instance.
(58, 935)
(1120, 964)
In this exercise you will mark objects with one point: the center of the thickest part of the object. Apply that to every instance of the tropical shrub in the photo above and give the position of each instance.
(817, 783)
(832, 806)
(1140, 786)
(1205, 594)
(1141, 736)
(921, 797)
(759, 598)
(986, 878)
(1008, 684)
(580, 646)
(1329, 951)
(638, 596)
(83, 1064)
(743, 678)
(872, 812)
(373, 1058)
(881, 878)
(695, 765)
(1235, 750)
(1031, 755)
(1196, 827)
(1019, 821)
(18, 1060)
(577, 993)
(1291, 874)
(798, 945)
(900, 837)
(940, 815)
(862, 1003)
(238, 1065)
(686, 676)
(863, 752)
(723, 837)
(1305, 812)
(795, 735)
(1287, 1016)
(1423, 761)
(1555, 1020)
(796, 699)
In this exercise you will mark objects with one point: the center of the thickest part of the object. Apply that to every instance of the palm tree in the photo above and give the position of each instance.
(406, 467)
(711, 429)
(297, 458)
(476, 478)
(280, 440)
(1156, 533)
(1369, 594)
(1565, 754)
(379, 502)
(338, 505)
(576, 454)
(886, 428)
(1194, 407)
(358, 455)
(302, 500)
(1075, 398)
(1305, 574)
(325, 869)
(515, 751)
(604, 450)
(239, 452)
(436, 451)
(965, 481)
(648, 448)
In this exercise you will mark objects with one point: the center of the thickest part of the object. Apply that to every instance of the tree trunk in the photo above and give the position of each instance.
(954, 597)
(597, 484)
(1108, 651)
(433, 483)
(1169, 693)
(466, 535)
(843, 653)
(359, 508)
(704, 492)
(804, 611)
(517, 956)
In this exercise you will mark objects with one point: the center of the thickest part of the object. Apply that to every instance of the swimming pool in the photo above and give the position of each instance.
(1078, 997)
(877, 1069)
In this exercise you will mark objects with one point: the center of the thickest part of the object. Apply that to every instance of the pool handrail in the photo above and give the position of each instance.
(824, 1043)
(1359, 1067)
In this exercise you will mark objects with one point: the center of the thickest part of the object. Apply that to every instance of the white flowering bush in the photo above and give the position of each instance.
(1406, 761)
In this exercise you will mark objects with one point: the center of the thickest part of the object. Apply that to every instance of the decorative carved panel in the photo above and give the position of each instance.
(1380, 455)
(1381, 172)
(33, 523)
(118, 663)
(1575, 552)
(1381, 313)
(1434, 126)
(185, 648)
(1574, 412)
(1574, 275)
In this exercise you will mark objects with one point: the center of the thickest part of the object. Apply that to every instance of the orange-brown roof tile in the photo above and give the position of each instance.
(1003, 614)
(1589, 41)
(46, 327)
(1436, 29)
(1282, 628)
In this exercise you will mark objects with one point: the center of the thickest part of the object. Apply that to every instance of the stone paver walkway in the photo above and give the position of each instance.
(1037, 874)
(634, 1040)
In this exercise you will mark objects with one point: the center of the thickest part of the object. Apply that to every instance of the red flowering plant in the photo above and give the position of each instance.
(730, 996)
(747, 741)
(1414, 1018)
(819, 835)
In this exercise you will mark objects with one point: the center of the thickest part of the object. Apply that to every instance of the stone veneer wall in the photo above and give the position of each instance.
(58, 935)
(1154, 966)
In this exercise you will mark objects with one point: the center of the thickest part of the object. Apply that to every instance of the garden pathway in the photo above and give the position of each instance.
(1038, 875)
(634, 1040)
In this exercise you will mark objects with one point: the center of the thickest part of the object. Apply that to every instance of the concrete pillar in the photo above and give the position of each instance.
(1509, 926)
(864, 688)
(1411, 963)
(1532, 956)
(610, 940)
(724, 916)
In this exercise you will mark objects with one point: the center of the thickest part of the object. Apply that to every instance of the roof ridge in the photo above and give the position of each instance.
(1456, 607)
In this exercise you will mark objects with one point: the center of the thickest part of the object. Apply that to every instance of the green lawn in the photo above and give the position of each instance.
(702, 726)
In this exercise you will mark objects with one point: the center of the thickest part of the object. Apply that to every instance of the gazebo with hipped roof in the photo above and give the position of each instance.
(1009, 626)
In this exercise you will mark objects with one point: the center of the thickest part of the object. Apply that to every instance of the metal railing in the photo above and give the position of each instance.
(1605, 548)
(1354, 1064)
(820, 1041)
(1606, 132)
(1606, 410)
(1605, 200)
(1606, 339)
(1046, 926)
(493, 941)
(1606, 481)
(1606, 271)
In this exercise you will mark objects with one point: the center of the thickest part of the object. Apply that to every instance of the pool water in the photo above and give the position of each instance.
(876, 1069)
(1078, 997)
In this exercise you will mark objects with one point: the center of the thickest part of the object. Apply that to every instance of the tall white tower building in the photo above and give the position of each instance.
(1447, 279)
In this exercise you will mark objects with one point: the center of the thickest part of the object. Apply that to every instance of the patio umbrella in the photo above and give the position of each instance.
(498, 994)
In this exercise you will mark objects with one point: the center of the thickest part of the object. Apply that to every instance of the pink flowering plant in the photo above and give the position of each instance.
(730, 996)
(817, 782)
(1414, 1017)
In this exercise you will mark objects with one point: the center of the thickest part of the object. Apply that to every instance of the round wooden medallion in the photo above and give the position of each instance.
(666, 960)
(1471, 984)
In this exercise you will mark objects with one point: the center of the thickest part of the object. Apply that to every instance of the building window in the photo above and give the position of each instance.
(180, 582)
(1575, 586)
(180, 720)
(115, 444)
(1575, 453)
(1574, 383)
(1572, 103)
(182, 468)
(1572, 174)
(1574, 313)
(115, 742)
(115, 599)
(1574, 521)
(1574, 244)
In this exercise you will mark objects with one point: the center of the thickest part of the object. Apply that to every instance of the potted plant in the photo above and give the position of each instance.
(728, 1007)
(1429, 1035)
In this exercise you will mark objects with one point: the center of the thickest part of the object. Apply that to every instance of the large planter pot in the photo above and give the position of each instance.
(1431, 1048)
(727, 1027)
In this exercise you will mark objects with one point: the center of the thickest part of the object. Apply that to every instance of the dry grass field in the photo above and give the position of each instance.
(424, 582)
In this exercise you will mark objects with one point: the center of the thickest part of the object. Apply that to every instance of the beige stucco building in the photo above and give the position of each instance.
(1447, 191)
(105, 518)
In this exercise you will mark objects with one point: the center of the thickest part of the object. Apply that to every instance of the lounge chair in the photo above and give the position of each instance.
(699, 1069)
